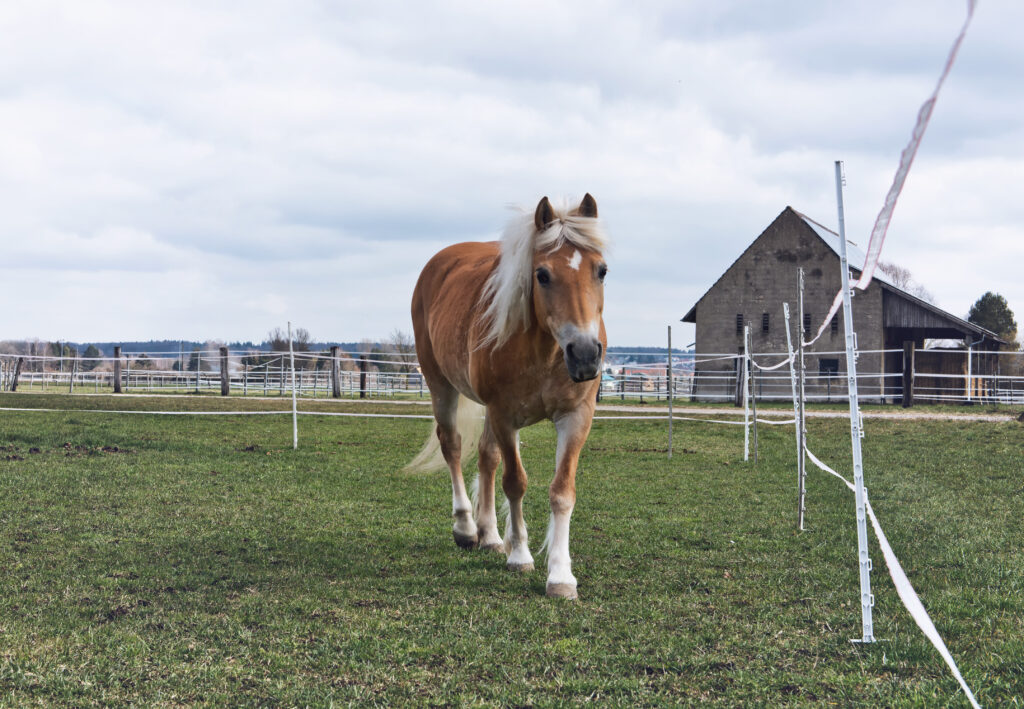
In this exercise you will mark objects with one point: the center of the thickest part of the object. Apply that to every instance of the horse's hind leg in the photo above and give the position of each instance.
(486, 517)
(446, 402)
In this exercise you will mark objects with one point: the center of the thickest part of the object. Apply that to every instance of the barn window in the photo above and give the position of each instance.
(828, 367)
(835, 324)
(807, 323)
(739, 323)
(764, 323)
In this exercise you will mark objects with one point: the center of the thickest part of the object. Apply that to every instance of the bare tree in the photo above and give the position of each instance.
(277, 340)
(404, 348)
(902, 278)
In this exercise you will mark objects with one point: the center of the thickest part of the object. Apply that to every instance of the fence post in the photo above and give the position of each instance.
(17, 373)
(117, 369)
(295, 409)
(335, 374)
(225, 376)
(362, 376)
(668, 375)
(908, 374)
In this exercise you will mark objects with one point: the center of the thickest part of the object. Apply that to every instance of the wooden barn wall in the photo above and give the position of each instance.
(903, 313)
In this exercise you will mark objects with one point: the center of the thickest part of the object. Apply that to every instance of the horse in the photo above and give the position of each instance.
(510, 333)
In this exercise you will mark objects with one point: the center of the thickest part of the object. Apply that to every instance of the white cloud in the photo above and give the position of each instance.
(304, 161)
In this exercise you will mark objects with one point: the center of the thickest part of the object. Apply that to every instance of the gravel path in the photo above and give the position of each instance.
(788, 413)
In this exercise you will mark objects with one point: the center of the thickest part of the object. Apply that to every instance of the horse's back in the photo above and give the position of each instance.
(445, 303)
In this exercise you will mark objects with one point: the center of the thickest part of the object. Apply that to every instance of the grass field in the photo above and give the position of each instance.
(180, 560)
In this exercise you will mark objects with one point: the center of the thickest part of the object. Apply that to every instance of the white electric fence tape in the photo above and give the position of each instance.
(903, 587)
(774, 366)
(774, 422)
(881, 226)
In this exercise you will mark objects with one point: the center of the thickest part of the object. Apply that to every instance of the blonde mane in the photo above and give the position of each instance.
(507, 293)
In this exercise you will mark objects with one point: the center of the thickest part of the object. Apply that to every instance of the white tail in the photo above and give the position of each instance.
(469, 420)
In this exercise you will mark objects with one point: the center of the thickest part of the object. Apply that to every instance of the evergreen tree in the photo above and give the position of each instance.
(992, 312)
(88, 363)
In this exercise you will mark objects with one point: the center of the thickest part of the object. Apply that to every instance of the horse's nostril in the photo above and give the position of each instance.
(568, 350)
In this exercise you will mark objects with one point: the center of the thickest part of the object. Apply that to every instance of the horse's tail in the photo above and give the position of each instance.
(469, 421)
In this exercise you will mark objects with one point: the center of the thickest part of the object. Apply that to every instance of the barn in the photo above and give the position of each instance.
(891, 324)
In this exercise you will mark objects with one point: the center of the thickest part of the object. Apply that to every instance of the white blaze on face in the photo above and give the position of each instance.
(574, 262)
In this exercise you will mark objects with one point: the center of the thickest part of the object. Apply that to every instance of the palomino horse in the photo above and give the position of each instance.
(514, 326)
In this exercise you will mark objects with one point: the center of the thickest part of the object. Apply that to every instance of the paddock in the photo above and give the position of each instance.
(182, 559)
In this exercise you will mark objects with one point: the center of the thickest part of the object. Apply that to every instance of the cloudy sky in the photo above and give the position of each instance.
(205, 170)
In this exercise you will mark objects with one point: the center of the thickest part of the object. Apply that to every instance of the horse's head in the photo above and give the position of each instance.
(568, 291)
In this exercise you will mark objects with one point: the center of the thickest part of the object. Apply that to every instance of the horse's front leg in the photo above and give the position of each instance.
(572, 431)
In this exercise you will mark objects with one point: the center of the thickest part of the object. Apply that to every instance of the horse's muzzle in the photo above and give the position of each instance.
(583, 358)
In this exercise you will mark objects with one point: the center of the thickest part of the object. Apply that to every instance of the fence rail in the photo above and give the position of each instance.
(984, 377)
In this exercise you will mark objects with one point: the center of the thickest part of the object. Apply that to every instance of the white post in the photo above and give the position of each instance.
(753, 389)
(970, 383)
(746, 392)
(799, 424)
(295, 411)
(802, 381)
(669, 391)
(856, 431)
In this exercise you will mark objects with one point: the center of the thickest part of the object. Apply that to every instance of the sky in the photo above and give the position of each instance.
(212, 170)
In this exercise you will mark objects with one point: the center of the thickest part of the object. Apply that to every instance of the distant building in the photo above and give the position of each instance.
(753, 289)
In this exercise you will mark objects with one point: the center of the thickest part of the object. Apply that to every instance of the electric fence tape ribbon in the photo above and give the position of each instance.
(881, 226)
(903, 587)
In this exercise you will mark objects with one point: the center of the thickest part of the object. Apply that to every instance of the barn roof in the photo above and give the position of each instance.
(909, 307)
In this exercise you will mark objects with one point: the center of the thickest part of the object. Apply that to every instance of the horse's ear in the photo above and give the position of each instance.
(544, 215)
(588, 207)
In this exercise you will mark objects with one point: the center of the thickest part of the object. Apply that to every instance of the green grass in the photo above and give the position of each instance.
(176, 560)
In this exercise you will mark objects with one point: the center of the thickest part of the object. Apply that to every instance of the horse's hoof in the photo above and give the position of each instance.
(465, 541)
(523, 568)
(561, 590)
(499, 548)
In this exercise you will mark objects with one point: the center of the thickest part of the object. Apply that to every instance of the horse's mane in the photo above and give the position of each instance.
(506, 295)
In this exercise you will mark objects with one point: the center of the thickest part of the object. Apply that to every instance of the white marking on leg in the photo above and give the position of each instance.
(516, 543)
(557, 543)
(462, 512)
(574, 262)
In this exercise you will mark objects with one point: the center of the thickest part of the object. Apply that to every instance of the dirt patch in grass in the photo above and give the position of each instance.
(77, 451)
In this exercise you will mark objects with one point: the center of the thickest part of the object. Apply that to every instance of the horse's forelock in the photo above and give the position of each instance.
(506, 295)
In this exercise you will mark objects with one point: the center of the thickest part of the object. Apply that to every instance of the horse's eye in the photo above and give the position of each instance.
(543, 277)
(602, 271)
